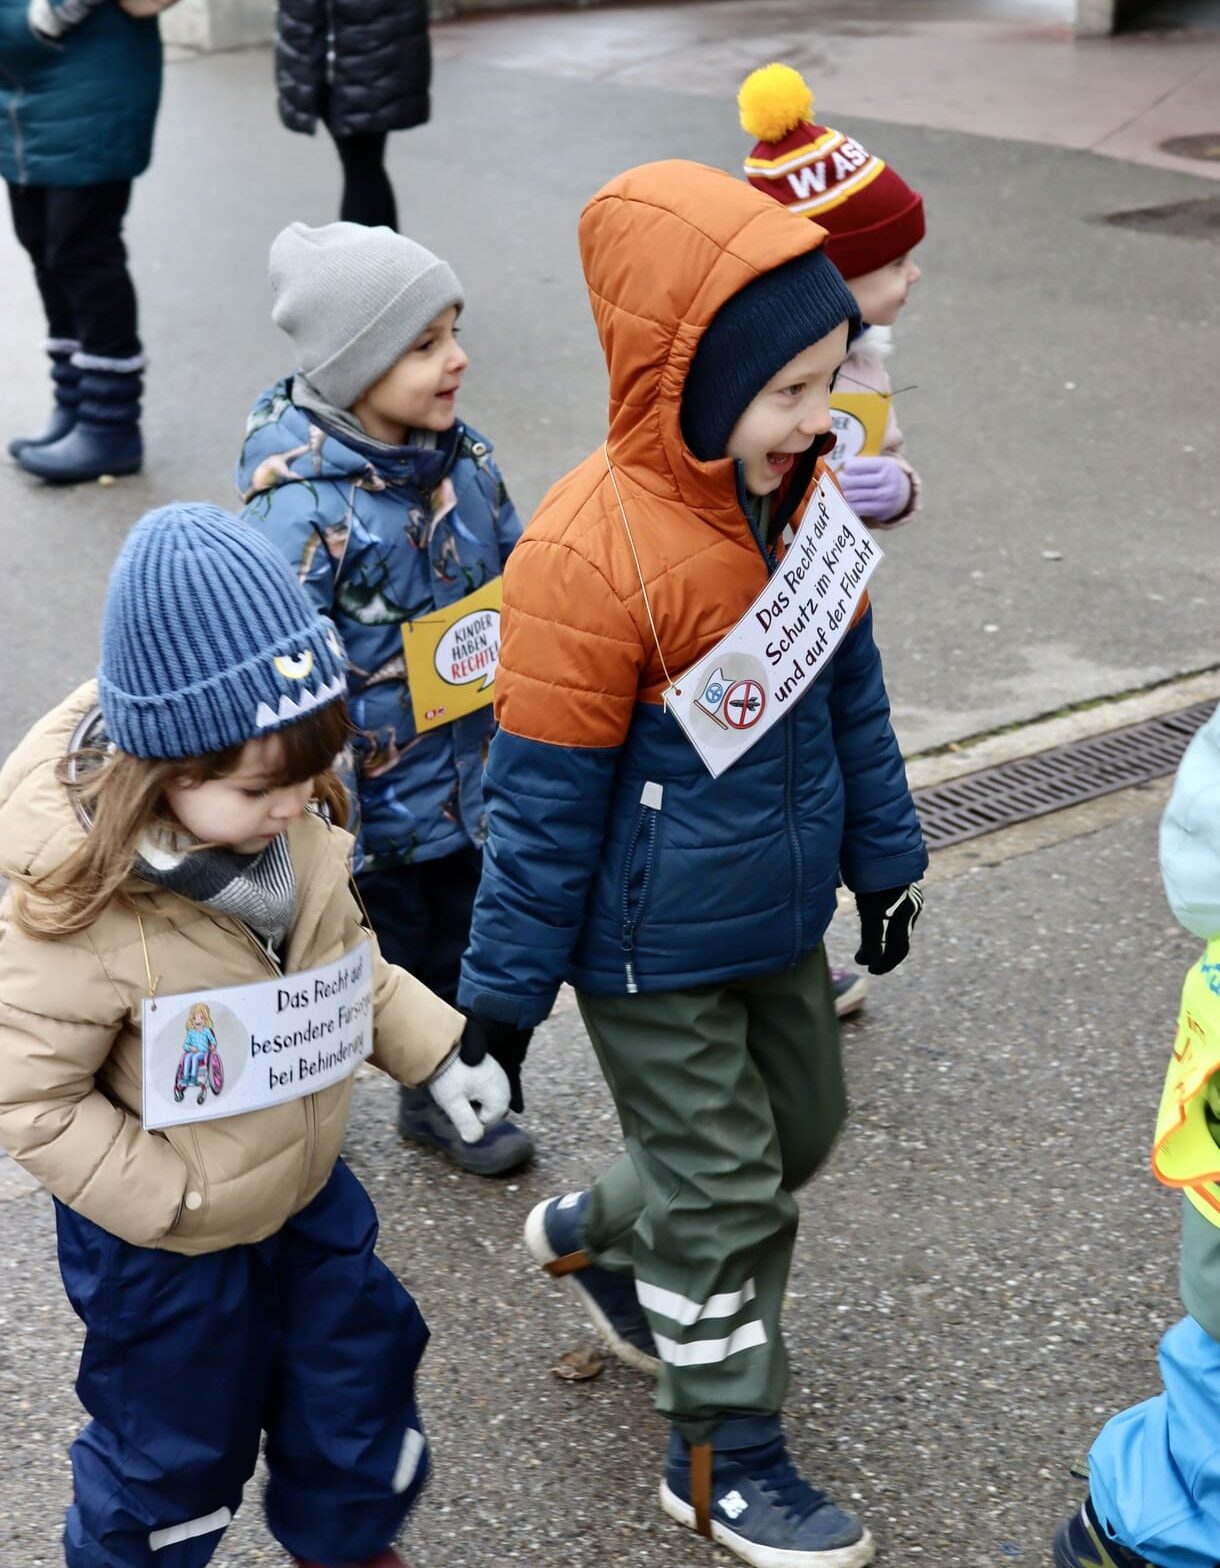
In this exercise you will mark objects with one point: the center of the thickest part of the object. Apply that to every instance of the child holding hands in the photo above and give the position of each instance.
(687, 907)
(169, 835)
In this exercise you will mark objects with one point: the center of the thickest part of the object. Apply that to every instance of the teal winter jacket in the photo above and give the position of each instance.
(79, 97)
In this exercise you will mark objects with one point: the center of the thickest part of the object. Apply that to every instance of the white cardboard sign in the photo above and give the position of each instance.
(246, 1047)
(761, 669)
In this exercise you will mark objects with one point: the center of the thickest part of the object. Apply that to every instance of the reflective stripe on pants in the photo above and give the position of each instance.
(730, 1096)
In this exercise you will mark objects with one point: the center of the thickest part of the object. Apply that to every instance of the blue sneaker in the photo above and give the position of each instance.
(504, 1147)
(754, 1501)
(1082, 1543)
(552, 1235)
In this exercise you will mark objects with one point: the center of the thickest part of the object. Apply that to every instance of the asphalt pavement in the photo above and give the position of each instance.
(981, 1275)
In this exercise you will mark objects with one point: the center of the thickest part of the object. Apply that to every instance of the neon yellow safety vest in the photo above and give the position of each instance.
(1184, 1153)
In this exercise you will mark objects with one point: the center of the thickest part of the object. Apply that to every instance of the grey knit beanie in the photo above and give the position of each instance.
(353, 300)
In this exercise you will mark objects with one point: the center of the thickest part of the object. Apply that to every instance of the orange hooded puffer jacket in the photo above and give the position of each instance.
(585, 880)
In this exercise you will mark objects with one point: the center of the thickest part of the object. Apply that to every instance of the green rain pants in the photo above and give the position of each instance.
(1201, 1268)
(730, 1097)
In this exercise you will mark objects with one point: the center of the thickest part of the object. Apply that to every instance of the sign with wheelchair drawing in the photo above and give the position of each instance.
(246, 1047)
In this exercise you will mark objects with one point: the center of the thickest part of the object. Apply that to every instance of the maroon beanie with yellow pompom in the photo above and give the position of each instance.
(871, 215)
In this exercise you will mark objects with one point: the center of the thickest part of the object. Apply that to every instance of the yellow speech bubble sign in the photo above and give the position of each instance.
(1185, 1152)
(452, 655)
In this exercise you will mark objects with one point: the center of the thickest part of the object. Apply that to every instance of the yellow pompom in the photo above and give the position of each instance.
(774, 100)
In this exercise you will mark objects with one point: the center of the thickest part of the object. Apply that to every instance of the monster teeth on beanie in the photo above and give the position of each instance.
(208, 640)
(870, 214)
(353, 300)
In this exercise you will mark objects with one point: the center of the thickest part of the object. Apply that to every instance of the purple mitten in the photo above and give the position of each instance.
(877, 488)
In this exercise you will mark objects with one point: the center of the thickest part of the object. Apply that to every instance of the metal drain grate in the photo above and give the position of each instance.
(1048, 781)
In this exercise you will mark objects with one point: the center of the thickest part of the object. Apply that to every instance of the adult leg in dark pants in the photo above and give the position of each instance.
(29, 204)
(74, 236)
(421, 913)
(368, 196)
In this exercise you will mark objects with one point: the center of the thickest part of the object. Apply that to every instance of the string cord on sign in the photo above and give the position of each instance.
(635, 554)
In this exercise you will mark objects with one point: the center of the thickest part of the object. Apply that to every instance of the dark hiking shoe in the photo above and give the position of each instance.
(504, 1147)
(850, 991)
(552, 1235)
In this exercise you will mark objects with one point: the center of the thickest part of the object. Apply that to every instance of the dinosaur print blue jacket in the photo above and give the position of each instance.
(379, 536)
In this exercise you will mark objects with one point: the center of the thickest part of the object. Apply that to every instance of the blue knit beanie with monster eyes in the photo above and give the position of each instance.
(208, 640)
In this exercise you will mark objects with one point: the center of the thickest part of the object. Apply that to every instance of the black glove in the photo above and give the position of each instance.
(886, 922)
(508, 1044)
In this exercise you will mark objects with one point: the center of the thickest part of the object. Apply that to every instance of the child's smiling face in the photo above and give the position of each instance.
(419, 391)
(788, 415)
(881, 294)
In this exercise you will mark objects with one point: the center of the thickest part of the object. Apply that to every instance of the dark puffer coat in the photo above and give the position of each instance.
(356, 65)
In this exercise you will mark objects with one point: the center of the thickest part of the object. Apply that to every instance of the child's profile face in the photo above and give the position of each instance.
(245, 808)
(881, 294)
(419, 391)
(788, 415)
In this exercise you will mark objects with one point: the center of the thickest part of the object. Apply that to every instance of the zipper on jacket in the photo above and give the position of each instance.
(266, 953)
(743, 500)
(18, 135)
(650, 812)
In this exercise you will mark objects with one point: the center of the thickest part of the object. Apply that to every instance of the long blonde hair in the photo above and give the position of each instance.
(122, 797)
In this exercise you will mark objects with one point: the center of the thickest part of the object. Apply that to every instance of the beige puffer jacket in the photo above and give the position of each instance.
(70, 1047)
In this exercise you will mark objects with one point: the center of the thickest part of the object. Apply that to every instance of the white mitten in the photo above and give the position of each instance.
(471, 1097)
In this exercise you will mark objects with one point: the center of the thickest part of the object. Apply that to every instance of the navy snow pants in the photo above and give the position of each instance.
(306, 1336)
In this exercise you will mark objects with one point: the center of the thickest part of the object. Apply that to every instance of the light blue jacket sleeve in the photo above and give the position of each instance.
(1190, 836)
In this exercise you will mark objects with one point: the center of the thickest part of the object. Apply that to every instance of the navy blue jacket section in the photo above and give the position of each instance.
(586, 880)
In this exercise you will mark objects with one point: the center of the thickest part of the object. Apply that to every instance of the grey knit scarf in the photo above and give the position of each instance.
(259, 890)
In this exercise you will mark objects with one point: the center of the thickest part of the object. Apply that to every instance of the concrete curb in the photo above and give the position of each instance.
(1040, 735)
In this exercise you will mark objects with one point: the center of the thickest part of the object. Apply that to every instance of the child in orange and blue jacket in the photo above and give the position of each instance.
(688, 911)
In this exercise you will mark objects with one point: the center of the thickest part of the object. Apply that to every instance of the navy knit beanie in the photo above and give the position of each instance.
(754, 334)
(208, 640)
